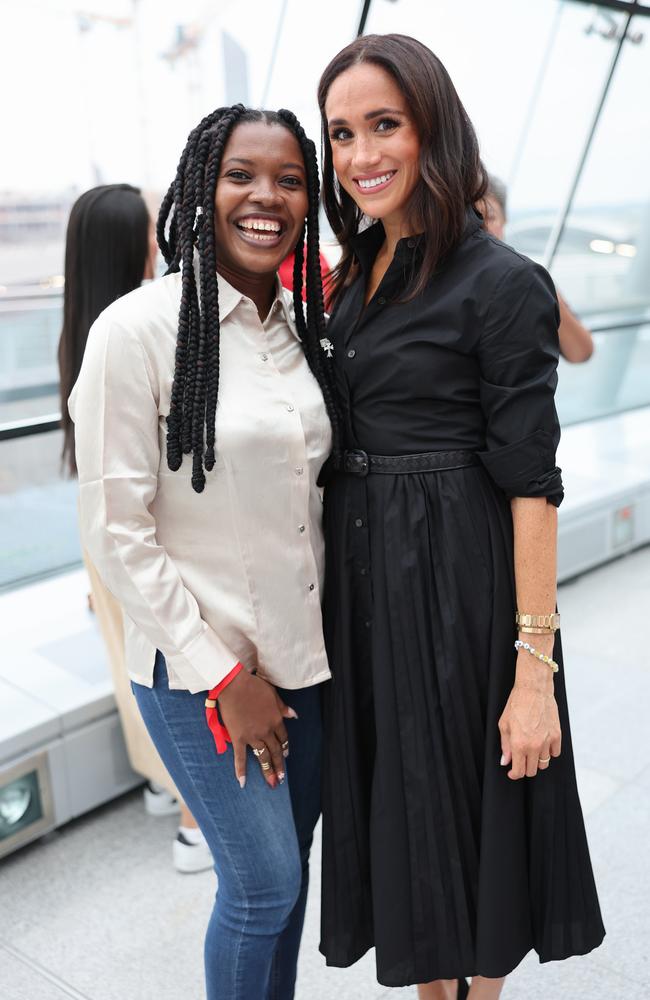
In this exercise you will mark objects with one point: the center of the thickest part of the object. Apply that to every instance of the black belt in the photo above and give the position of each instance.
(360, 463)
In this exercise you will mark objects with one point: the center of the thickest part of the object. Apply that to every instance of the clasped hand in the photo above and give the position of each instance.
(254, 714)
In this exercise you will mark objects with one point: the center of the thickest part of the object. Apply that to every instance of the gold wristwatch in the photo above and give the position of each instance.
(537, 624)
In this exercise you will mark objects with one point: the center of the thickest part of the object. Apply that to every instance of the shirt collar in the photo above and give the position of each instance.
(230, 297)
(366, 244)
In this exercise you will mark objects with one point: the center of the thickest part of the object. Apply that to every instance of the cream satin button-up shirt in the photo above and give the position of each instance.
(233, 573)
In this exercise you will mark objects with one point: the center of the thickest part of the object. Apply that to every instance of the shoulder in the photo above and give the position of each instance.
(146, 318)
(503, 269)
(135, 337)
(144, 306)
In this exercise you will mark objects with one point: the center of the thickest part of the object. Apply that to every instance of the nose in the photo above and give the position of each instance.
(265, 192)
(366, 154)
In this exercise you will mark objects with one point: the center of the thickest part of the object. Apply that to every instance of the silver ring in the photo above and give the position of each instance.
(285, 744)
(258, 751)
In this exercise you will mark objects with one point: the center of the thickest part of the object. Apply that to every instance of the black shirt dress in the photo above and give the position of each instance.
(431, 854)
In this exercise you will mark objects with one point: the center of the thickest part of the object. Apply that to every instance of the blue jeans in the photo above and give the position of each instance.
(259, 837)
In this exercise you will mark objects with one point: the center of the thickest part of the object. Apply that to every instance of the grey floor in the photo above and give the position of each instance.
(95, 911)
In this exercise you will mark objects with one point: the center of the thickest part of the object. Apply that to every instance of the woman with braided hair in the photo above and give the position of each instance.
(203, 414)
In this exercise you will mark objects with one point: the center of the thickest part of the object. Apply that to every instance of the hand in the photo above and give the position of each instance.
(530, 723)
(254, 714)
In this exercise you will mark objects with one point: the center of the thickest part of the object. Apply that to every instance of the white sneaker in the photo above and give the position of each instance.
(190, 857)
(158, 801)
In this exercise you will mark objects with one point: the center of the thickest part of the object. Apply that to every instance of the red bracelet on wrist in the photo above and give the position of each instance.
(217, 728)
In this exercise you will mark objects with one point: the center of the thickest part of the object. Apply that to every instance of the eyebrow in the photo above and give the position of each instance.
(369, 116)
(252, 163)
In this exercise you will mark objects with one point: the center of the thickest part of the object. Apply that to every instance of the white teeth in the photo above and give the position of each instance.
(261, 225)
(375, 181)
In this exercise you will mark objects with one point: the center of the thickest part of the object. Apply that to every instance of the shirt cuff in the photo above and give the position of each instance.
(202, 664)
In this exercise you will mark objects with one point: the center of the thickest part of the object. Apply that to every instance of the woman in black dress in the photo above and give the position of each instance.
(441, 524)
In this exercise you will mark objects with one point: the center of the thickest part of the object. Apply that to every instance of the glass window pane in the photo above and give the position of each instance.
(30, 326)
(616, 378)
(39, 532)
(603, 259)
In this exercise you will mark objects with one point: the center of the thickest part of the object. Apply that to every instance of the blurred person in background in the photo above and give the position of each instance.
(576, 342)
(453, 837)
(204, 411)
(110, 250)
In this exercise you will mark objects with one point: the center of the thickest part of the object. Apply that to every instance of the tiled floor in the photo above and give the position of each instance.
(95, 911)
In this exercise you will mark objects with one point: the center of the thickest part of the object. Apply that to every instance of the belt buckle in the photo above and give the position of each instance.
(357, 463)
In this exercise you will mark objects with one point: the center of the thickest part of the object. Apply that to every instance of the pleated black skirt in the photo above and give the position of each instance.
(430, 853)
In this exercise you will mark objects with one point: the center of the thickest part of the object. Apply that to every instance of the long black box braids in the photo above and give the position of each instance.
(186, 227)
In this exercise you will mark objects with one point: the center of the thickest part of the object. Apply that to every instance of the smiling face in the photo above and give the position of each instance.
(375, 144)
(260, 202)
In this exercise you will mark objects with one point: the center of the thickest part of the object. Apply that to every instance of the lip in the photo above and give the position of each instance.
(368, 177)
(269, 240)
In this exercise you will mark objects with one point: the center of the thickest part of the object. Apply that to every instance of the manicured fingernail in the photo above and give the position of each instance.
(291, 714)
(503, 759)
(285, 753)
(242, 781)
(273, 781)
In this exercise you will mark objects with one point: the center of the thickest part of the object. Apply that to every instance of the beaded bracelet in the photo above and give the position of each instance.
(540, 656)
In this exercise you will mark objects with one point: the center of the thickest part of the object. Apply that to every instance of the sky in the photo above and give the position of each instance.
(87, 100)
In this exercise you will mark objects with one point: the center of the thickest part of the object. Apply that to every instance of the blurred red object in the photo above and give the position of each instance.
(286, 272)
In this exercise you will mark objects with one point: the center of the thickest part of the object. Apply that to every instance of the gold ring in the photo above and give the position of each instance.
(258, 751)
(543, 760)
(265, 765)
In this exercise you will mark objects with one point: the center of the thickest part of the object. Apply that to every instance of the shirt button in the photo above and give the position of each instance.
(289, 409)
(359, 522)
(364, 571)
(264, 357)
(411, 244)
(368, 622)
(381, 301)
(299, 470)
(301, 529)
(351, 352)
(312, 586)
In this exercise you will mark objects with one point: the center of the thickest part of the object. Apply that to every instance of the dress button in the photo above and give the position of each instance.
(411, 244)
(364, 571)
(264, 357)
(368, 622)
(381, 301)
(359, 522)
(290, 409)
(312, 586)
(351, 352)
(301, 529)
(299, 470)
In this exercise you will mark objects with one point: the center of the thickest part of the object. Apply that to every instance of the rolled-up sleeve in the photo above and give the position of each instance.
(518, 356)
(114, 406)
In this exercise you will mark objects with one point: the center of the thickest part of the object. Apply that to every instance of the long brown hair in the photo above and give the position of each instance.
(453, 177)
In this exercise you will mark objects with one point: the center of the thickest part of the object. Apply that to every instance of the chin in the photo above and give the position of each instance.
(260, 262)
